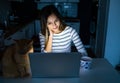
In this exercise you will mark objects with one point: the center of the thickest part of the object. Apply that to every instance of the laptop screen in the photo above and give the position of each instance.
(55, 64)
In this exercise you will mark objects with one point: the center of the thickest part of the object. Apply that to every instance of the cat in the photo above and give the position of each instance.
(15, 61)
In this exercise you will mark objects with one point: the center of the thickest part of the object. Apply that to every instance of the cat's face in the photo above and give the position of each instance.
(23, 45)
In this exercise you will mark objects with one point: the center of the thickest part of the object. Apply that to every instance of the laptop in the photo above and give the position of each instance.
(55, 64)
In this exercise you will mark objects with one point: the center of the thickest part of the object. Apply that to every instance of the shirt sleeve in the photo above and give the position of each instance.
(78, 43)
(42, 42)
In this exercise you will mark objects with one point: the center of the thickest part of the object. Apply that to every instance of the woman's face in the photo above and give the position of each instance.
(53, 23)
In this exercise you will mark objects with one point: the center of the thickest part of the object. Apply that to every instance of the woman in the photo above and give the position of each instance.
(55, 35)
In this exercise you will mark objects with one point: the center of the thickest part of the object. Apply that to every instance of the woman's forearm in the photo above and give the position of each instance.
(48, 47)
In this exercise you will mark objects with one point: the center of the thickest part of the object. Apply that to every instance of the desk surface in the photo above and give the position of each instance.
(101, 72)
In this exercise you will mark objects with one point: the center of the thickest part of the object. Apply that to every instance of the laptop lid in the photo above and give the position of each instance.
(55, 64)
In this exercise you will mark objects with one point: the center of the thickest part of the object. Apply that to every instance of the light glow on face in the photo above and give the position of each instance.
(53, 23)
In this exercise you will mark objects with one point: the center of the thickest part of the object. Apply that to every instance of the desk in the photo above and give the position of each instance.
(100, 72)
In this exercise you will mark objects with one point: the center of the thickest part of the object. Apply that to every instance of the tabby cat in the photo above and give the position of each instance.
(15, 61)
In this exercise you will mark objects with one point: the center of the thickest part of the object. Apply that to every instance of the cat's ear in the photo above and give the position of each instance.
(31, 41)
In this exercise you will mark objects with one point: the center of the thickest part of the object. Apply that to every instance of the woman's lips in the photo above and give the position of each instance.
(55, 28)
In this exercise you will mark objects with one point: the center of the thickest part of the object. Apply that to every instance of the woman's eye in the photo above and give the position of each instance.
(48, 23)
(56, 20)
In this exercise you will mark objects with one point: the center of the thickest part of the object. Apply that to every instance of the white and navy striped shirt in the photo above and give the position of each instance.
(62, 42)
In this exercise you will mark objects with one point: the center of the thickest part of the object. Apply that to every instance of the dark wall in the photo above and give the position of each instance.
(85, 15)
(24, 9)
(4, 10)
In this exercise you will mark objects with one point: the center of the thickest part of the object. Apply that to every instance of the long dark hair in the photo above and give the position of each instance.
(45, 13)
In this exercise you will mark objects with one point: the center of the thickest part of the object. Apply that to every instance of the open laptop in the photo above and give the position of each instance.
(55, 64)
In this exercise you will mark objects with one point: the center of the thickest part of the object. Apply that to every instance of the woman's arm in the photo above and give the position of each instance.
(78, 43)
(48, 47)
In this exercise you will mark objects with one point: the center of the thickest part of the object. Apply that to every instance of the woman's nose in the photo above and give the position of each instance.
(54, 24)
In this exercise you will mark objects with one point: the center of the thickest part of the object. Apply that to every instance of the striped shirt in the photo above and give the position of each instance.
(62, 42)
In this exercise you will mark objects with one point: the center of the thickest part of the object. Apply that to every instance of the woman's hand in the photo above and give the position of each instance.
(48, 47)
(50, 32)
